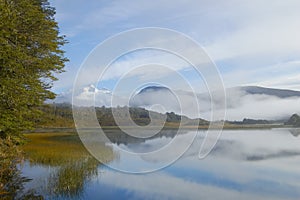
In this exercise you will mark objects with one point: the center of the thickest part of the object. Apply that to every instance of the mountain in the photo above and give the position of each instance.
(102, 96)
(294, 121)
(248, 90)
(154, 89)
(250, 102)
(162, 100)
(281, 93)
(88, 91)
(152, 95)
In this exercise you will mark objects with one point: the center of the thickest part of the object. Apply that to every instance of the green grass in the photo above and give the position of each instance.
(56, 149)
(64, 151)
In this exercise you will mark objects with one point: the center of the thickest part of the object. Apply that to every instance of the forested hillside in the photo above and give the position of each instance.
(60, 115)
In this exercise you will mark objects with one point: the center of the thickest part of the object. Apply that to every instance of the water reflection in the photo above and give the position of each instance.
(227, 173)
(71, 165)
(119, 137)
(295, 132)
(69, 180)
(11, 180)
(246, 164)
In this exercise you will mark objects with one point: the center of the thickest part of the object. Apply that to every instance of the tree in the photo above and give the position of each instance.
(30, 57)
(294, 120)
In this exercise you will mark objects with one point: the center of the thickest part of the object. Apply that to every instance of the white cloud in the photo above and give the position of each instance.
(285, 81)
(242, 37)
(240, 104)
(264, 28)
(130, 63)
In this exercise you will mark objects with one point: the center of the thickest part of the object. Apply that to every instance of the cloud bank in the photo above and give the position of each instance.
(240, 104)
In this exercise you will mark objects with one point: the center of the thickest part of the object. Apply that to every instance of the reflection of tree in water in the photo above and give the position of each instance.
(119, 137)
(295, 132)
(11, 181)
(73, 165)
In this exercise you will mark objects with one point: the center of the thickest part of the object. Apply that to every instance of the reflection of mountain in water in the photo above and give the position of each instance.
(295, 132)
(118, 137)
(281, 154)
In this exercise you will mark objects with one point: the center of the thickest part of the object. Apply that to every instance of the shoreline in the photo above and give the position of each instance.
(225, 127)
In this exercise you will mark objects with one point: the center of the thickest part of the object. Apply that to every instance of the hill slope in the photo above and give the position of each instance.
(60, 115)
(281, 93)
(294, 120)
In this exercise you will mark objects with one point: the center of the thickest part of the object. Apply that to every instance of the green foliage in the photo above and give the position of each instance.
(139, 115)
(10, 156)
(60, 115)
(30, 56)
(55, 115)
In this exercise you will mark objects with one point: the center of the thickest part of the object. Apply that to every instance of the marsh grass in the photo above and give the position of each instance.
(65, 152)
(54, 149)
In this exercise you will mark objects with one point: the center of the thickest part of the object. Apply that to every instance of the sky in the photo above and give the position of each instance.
(251, 42)
(244, 43)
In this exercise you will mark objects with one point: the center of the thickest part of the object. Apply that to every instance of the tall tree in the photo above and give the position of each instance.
(30, 57)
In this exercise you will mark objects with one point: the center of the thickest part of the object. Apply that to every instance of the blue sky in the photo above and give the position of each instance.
(252, 42)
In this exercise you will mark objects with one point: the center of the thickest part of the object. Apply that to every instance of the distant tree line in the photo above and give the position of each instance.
(60, 115)
(247, 121)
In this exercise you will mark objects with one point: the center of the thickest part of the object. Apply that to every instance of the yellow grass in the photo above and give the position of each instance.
(56, 149)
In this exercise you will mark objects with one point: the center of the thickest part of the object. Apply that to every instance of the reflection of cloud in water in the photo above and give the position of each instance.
(166, 186)
(226, 173)
(237, 145)
(144, 145)
(258, 145)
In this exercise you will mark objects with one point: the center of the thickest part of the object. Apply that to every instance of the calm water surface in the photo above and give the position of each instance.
(245, 164)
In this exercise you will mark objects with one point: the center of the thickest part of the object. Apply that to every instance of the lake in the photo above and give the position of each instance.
(245, 164)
